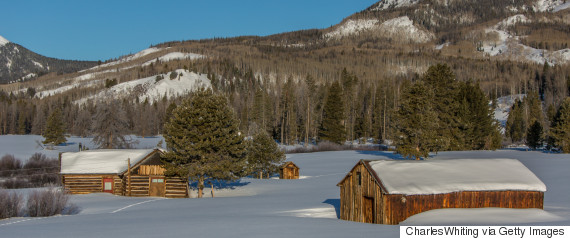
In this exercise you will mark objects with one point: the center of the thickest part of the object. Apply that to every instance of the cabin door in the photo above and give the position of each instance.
(108, 185)
(157, 187)
(368, 209)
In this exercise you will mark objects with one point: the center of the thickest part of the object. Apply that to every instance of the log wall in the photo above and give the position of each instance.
(176, 187)
(139, 186)
(91, 183)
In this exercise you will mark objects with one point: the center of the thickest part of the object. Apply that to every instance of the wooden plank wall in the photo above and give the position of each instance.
(399, 207)
(151, 170)
(351, 195)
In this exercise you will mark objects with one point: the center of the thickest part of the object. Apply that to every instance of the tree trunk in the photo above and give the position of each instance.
(260, 174)
(212, 186)
(200, 186)
(188, 188)
(307, 126)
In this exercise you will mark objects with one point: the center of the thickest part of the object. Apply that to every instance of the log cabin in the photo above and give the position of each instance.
(390, 191)
(130, 172)
(289, 170)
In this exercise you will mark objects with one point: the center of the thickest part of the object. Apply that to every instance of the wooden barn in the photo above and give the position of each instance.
(390, 191)
(289, 170)
(133, 172)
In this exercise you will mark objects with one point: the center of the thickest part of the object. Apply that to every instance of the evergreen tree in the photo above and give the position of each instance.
(515, 127)
(110, 126)
(533, 108)
(476, 118)
(560, 130)
(332, 128)
(204, 141)
(534, 135)
(446, 105)
(417, 123)
(264, 155)
(55, 129)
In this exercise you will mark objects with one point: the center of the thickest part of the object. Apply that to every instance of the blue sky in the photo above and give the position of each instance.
(104, 29)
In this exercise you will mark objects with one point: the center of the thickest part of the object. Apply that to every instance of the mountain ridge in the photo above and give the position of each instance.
(18, 64)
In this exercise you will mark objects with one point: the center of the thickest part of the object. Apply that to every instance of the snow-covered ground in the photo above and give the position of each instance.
(307, 207)
(24, 146)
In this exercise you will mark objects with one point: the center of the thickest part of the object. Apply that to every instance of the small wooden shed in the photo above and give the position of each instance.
(133, 172)
(390, 191)
(289, 170)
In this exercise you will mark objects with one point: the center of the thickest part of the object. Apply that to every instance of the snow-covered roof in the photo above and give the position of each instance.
(101, 161)
(445, 176)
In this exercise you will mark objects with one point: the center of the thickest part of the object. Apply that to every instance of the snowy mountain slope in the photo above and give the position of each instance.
(174, 56)
(18, 64)
(150, 89)
(401, 28)
(352, 27)
(391, 4)
(549, 5)
(285, 208)
(3, 41)
(502, 44)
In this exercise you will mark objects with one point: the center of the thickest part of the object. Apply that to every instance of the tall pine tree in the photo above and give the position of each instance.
(560, 130)
(110, 126)
(332, 128)
(417, 125)
(476, 117)
(264, 155)
(204, 141)
(446, 105)
(55, 129)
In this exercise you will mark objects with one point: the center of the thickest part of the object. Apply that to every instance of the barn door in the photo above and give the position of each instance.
(368, 209)
(108, 185)
(157, 187)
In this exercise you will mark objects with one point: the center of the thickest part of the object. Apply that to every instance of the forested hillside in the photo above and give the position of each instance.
(282, 83)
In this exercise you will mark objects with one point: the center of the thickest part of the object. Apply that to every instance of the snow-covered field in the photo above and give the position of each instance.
(307, 207)
(24, 146)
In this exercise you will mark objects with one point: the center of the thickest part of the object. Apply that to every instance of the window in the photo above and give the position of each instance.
(359, 178)
(158, 180)
(108, 186)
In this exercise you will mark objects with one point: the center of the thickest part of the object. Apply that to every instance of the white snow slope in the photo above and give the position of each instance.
(389, 4)
(3, 41)
(149, 88)
(401, 28)
(352, 27)
(306, 207)
(508, 46)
